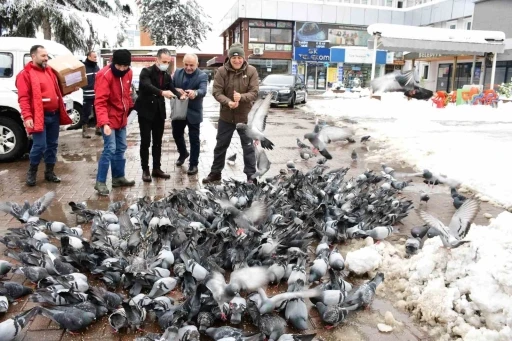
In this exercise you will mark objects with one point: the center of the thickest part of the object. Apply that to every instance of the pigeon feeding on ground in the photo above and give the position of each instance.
(257, 122)
(27, 211)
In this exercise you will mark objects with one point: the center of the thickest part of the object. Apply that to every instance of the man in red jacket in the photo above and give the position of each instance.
(113, 102)
(43, 111)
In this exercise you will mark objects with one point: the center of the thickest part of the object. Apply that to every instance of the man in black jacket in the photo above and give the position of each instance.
(154, 86)
(91, 68)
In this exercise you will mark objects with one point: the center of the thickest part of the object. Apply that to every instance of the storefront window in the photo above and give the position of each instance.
(270, 35)
(266, 67)
(237, 35)
(462, 76)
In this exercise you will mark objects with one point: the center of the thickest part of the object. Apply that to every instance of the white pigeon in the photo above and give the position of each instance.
(257, 121)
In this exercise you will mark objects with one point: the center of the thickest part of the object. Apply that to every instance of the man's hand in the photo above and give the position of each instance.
(167, 94)
(256, 142)
(233, 105)
(191, 94)
(236, 96)
(106, 130)
(181, 91)
(184, 96)
(29, 123)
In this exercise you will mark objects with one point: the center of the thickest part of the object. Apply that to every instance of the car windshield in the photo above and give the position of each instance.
(278, 80)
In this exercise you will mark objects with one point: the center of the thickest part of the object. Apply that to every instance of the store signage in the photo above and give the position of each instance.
(312, 54)
(359, 56)
(429, 55)
(294, 68)
(390, 56)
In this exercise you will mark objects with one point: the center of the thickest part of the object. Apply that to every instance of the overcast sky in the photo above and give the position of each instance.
(216, 10)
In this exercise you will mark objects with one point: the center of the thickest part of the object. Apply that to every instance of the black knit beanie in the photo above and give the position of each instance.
(122, 57)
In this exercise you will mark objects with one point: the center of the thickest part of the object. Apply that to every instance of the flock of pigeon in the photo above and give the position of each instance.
(286, 229)
(258, 234)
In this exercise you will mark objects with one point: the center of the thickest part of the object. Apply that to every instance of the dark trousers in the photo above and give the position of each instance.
(46, 142)
(151, 129)
(86, 111)
(178, 132)
(225, 132)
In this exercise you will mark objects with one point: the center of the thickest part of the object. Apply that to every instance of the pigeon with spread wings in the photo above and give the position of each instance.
(452, 235)
(328, 134)
(257, 122)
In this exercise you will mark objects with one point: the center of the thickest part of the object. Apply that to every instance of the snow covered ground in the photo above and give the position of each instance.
(463, 293)
(468, 143)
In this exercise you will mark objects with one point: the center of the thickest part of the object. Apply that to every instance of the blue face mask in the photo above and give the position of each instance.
(163, 67)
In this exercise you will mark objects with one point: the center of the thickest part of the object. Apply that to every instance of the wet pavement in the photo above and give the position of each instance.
(77, 165)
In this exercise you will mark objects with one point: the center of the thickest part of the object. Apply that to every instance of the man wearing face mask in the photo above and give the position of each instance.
(43, 111)
(113, 102)
(154, 86)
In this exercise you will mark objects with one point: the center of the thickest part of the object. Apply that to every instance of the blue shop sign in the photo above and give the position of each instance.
(310, 54)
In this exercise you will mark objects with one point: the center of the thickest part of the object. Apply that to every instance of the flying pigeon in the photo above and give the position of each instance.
(257, 122)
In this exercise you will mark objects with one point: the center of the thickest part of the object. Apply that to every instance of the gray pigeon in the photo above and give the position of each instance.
(336, 261)
(327, 135)
(333, 315)
(262, 164)
(363, 296)
(162, 287)
(237, 307)
(452, 235)
(12, 327)
(419, 231)
(231, 160)
(72, 319)
(118, 320)
(353, 155)
(33, 273)
(5, 267)
(14, 290)
(301, 144)
(297, 313)
(224, 332)
(25, 212)
(257, 121)
(412, 245)
(248, 279)
(273, 326)
(188, 333)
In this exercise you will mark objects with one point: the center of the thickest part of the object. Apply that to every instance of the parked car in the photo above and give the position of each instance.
(286, 89)
(14, 55)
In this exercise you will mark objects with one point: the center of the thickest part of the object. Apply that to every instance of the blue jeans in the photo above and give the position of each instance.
(114, 147)
(46, 142)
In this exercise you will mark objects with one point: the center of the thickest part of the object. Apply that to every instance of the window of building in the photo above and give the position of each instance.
(389, 3)
(468, 25)
(400, 4)
(270, 35)
(364, 2)
(237, 35)
(6, 64)
(453, 27)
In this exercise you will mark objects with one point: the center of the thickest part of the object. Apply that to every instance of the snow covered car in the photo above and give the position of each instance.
(14, 55)
(285, 89)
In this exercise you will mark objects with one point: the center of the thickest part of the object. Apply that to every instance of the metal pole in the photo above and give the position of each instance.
(493, 72)
(473, 69)
(374, 58)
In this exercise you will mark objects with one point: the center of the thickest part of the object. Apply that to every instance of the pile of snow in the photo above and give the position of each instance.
(462, 142)
(463, 293)
(356, 93)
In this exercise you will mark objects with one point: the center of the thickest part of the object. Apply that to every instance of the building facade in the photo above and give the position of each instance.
(496, 15)
(327, 42)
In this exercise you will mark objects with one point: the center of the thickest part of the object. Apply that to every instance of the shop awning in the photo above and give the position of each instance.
(436, 40)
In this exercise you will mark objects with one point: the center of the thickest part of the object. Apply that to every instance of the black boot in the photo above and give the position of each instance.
(84, 132)
(49, 175)
(31, 175)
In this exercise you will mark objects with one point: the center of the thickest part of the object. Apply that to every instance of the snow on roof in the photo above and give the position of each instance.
(436, 34)
(24, 44)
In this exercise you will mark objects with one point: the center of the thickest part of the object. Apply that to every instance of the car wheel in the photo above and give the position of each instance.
(292, 103)
(305, 98)
(13, 139)
(74, 114)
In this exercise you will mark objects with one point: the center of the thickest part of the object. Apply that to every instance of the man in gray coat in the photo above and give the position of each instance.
(193, 83)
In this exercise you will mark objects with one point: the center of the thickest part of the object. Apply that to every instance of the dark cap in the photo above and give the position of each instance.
(122, 57)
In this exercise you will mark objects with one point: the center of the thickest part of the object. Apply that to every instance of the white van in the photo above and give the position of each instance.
(14, 55)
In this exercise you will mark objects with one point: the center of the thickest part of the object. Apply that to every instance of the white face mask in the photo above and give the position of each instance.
(163, 67)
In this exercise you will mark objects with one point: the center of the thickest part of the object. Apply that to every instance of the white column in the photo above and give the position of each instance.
(374, 58)
(493, 72)
(473, 69)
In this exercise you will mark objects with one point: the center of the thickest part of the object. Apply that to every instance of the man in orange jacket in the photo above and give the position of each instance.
(113, 103)
(43, 111)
